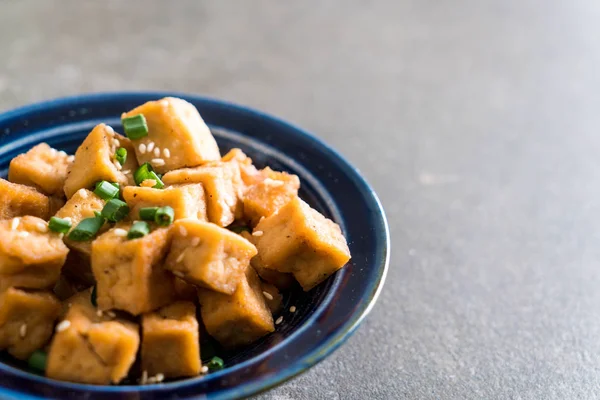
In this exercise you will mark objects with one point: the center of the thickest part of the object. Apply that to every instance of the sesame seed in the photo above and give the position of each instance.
(279, 320)
(61, 235)
(164, 103)
(23, 330)
(23, 234)
(120, 232)
(42, 227)
(62, 153)
(204, 369)
(195, 241)
(63, 325)
(68, 219)
(257, 233)
(158, 161)
(268, 295)
(142, 148)
(83, 193)
(160, 377)
(109, 129)
(150, 147)
(293, 309)
(70, 158)
(156, 151)
(144, 377)
(99, 313)
(115, 142)
(111, 314)
(272, 182)
(180, 257)
(117, 165)
(178, 274)
(53, 151)
(182, 230)
(126, 172)
(14, 224)
(261, 219)
(167, 153)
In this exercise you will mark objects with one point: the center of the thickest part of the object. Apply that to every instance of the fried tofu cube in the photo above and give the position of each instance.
(80, 206)
(42, 167)
(221, 182)
(129, 273)
(267, 196)
(273, 297)
(185, 291)
(91, 349)
(176, 129)
(300, 240)
(186, 200)
(95, 161)
(170, 343)
(238, 319)
(30, 256)
(281, 280)
(207, 255)
(17, 200)
(26, 321)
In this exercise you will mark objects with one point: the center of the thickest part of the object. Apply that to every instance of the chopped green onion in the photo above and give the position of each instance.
(59, 225)
(87, 229)
(98, 214)
(148, 213)
(215, 364)
(121, 155)
(135, 127)
(116, 184)
(138, 230)
(145, 171)
(106, 191)
(115, 210)
(94, 297)
(37, 360)
(239, 229)
(164, 216)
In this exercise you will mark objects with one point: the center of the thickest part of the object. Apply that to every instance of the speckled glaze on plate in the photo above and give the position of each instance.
(325, 316)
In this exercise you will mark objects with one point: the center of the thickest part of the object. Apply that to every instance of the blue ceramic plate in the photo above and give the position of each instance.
(325, 316)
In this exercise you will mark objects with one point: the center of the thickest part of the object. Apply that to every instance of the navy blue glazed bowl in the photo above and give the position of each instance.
(325, 316)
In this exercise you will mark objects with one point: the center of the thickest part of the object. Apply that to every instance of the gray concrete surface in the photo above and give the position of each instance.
(476, 121)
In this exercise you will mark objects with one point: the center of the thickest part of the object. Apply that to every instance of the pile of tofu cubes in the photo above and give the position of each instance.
(150, 291)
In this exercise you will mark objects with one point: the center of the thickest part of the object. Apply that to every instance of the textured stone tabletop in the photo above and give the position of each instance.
(476, 121)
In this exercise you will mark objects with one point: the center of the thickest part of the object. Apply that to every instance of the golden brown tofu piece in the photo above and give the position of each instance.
(273, 298)
(185, 291)
(207, 255)
(95, 161)
(129, 273)
(281, 280)
(187, 200)
(26, 321)
(170, 343)
(221, 182)
(263, 199)
(42, 167)
(239, 319)
(17, 200)
(30, 255)
(300, 240)
(80, 206)
(176, 129)
(91, 349)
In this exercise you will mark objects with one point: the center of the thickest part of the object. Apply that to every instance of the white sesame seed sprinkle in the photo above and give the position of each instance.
(120, 232)
(83, 193)
(160, 377)
(99, 313)
(42, 227)
(268, 295)
(68, 219)
(23, 330)
(150, 147)
(63, 325)
(70, 158)
(14, 224)
(62, 153)
(178, 274)
(257, 233)
(293, 309)
(180, 257)
(115, 142)
(109, 129)
(272, 182)
(117, 165)
(126, 171)
(144, 379)
(23, 234)
(158, 161)
(111, 314)
(204, 369)
(182, 230)
(157, 152)
(195, 241)
(142, 148)
(279, 320)
(261, 219)
(167, 153)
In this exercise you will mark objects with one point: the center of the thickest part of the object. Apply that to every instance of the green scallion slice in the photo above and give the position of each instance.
(148, 213)
(59, 225)
(135, 127)
(164, 216)
(215, 364)
(106, 191)
(87, 229)
(37, 360)
(145, 171)
(116, 184)
(115, 210)
(138, 230)
(121, 155)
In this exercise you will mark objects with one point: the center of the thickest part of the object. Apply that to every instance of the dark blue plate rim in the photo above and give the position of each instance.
(308, 359)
